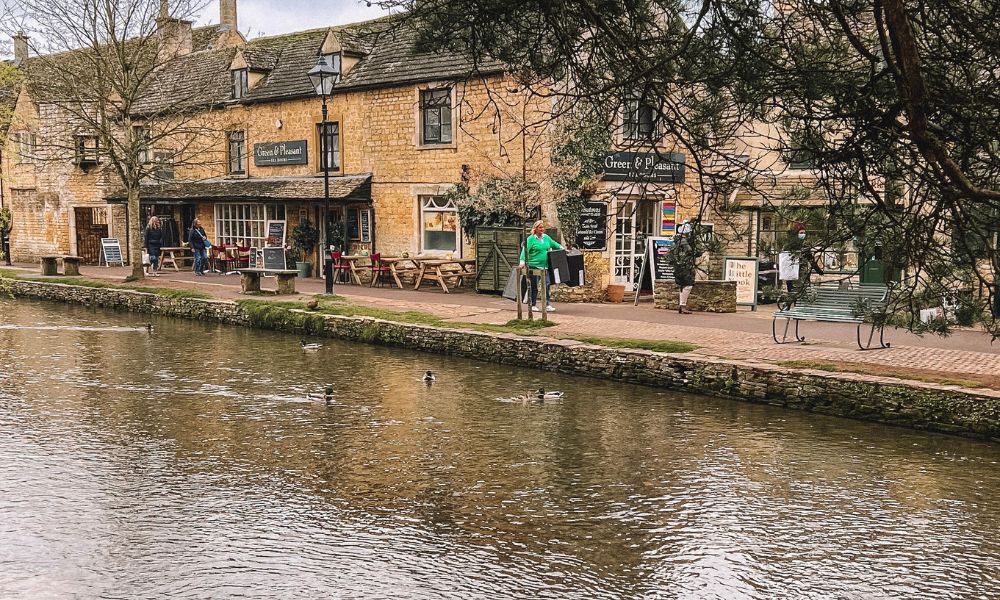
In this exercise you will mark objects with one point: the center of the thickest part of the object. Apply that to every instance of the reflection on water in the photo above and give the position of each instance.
(192, 462)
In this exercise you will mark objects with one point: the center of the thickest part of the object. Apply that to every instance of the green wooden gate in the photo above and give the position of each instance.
(497, 251)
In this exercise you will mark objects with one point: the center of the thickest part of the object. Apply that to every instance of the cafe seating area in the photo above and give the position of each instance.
(403, 271)
(415, 272)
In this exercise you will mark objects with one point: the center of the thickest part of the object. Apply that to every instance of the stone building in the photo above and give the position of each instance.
(404, 126)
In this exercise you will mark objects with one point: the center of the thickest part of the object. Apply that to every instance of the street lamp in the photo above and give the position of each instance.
(323, 76)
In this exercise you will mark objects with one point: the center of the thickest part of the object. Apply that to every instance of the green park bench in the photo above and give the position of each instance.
(834, 303)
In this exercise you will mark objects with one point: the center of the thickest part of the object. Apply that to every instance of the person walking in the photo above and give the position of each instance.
(199, 243)
(797, 262)
(153, 242)
(535, 254)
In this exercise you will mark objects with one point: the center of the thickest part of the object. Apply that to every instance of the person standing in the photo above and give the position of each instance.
(535, 254)
(153, 242)
(682, 257)
(198, 241)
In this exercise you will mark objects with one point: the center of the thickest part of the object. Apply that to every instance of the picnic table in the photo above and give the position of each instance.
(401, 266)
(349, 263)
(173, 255)
(441, 270)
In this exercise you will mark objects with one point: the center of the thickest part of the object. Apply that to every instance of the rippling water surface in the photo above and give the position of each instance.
(191, 462)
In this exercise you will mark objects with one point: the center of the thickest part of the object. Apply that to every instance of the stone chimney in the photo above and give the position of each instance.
(20, 48)
(164, 10)
(227, 15)
(175, 38)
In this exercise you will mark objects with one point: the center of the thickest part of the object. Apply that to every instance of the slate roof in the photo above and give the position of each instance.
(196, 80)
(8, 98)
(351, 188)
(295, 54)
(396, 60)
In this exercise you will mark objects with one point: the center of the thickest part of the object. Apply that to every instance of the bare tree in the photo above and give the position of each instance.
(114, 83)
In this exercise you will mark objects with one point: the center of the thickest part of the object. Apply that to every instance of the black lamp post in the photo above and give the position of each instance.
(323, 76)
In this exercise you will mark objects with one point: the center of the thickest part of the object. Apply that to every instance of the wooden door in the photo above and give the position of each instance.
(91, 226)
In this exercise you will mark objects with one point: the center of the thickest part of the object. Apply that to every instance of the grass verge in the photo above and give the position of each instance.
(90, 283)
(967, 380)
(669, 346)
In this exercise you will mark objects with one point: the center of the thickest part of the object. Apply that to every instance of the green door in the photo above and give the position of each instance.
(873, 271)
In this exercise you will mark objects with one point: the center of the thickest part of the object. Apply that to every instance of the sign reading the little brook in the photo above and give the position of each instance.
(742, 270)
(280, 153)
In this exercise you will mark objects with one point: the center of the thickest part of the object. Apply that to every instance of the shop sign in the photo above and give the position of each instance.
(592, 231)
(272, 154)
(743, 270)
(651, 167)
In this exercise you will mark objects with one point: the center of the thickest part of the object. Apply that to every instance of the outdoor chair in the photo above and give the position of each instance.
(378, 269)
(341, 269)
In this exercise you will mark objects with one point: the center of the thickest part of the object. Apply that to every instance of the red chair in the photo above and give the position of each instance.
(227, 258)
(377, 269)
(242, 257)
(340, 267)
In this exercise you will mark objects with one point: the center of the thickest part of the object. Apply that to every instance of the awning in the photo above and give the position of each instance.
(350, 188)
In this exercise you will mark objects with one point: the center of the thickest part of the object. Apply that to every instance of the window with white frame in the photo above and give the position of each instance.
(143, 140)
(245, 223)
(439, 227)
(640, 121)
(241, 82)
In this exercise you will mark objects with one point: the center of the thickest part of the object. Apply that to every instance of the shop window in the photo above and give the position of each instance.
(640, 120)
(237, 153)
(245, 223)
(329, 143)
(435, 116)
(439, 228)
(241, 82)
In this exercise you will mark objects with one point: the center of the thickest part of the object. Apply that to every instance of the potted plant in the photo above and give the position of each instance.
(304, 239)
(337, 235)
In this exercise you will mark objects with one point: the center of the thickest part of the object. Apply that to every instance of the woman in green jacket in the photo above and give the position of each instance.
(535, 254)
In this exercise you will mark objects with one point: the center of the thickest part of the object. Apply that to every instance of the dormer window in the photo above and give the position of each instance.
(333, 59)
(241, 82)
(88, 150)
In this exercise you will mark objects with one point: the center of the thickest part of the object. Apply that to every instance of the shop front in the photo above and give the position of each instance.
(260, 212)
(642, 191)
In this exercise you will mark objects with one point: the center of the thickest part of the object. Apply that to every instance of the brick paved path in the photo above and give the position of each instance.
(744, 336)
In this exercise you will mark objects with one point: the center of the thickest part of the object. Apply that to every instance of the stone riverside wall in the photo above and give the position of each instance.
(917, 406)
(706, 296)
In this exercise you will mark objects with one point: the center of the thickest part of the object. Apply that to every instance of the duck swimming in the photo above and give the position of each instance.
(310, 346)
(326, 396)
(553, 395)
(429, 377)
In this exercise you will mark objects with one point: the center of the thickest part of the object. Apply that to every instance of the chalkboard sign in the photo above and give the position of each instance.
(658, 250)
(276, 233)
(592, 232)
(366, 226)
(274, 259)
(111, 252)
(353, 232)
(253, 258)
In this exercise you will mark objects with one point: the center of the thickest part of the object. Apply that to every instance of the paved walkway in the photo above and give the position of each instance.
(967, 356)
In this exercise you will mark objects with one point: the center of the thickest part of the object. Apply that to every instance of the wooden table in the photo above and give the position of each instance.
(440, 270)
(401, 266)
(250, 279)
(172, 255)
(352, 261)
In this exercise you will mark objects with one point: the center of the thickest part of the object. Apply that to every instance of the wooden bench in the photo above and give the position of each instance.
(836, 304)
(250, 279)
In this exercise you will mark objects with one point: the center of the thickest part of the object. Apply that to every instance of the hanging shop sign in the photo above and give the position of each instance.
(651, 167)
(592, 232)
(273, 154)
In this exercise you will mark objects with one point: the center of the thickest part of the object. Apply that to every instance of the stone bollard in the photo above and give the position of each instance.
(71, 266)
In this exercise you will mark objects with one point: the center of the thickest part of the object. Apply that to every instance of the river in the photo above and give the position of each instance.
(200, 461)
